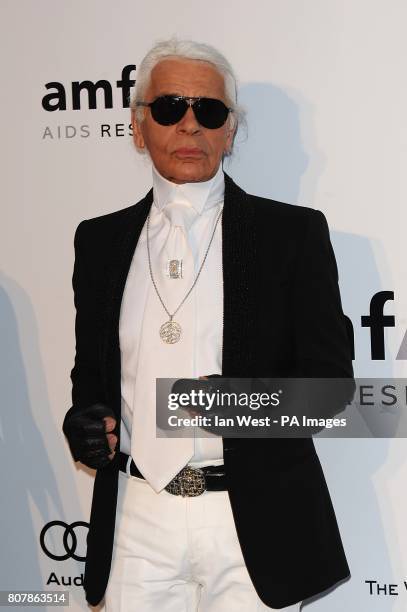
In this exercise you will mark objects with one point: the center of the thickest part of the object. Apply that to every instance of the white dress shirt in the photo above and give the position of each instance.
(207, 298)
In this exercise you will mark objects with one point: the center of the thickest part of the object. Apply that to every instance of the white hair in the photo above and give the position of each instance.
(190, 50)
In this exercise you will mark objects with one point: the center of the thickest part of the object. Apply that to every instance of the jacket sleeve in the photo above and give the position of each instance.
(322, 343)
(85, 375)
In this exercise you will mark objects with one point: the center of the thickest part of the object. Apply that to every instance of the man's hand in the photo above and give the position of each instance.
(194, 412)
(89, 435)
(190, 410)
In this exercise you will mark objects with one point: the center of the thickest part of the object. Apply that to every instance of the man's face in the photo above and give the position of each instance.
(186, 151)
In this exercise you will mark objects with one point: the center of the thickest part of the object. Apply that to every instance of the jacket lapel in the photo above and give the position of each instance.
(121, 254)
(239, 281)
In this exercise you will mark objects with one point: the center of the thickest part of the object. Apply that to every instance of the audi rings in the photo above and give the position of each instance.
(69, 531)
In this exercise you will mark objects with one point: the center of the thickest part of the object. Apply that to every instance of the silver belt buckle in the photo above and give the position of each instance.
(189, 482)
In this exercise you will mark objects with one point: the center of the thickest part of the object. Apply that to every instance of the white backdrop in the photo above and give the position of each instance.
(324, 84)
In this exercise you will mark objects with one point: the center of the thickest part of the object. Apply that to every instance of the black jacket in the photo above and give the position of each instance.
(282, 318)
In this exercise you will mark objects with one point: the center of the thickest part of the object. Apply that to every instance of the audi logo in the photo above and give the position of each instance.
(69, 540)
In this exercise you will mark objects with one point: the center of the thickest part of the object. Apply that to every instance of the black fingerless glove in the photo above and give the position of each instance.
(187, 385)
(85, 431)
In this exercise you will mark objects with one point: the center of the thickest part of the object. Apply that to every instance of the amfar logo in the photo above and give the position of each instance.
(377, 321)
(57, 100)
(90, 95)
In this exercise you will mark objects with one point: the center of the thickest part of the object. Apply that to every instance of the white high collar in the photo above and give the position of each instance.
(201, 195)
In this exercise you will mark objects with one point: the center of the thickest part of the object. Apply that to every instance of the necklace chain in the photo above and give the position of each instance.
(198, 273)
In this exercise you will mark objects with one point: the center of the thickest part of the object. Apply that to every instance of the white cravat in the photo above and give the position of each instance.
(142, 314)
(181, 216)
(160, 459)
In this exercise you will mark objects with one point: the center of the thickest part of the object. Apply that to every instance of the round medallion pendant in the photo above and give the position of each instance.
(170, 332)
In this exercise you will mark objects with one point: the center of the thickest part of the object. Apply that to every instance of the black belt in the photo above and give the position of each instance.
(190, 481)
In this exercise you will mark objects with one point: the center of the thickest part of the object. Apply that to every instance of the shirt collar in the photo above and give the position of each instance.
(201, 195)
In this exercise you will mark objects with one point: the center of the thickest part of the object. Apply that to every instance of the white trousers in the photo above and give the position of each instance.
(177, 554)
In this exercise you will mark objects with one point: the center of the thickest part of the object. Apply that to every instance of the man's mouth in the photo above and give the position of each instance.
(189, 152)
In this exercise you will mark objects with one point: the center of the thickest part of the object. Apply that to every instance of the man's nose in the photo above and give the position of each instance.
(188, 123)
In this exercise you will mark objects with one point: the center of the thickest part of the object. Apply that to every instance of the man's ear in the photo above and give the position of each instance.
(138, 138)
(229, 139)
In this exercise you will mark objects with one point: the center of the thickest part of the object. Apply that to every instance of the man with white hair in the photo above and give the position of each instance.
(199, 279)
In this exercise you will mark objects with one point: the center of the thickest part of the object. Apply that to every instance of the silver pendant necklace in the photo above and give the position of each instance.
(174, 268)
(170, 331)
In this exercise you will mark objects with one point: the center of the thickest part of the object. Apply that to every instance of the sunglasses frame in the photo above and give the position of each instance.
(191, 101)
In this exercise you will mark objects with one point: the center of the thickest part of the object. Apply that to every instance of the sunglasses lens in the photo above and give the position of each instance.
(168, 110)
(211, 113)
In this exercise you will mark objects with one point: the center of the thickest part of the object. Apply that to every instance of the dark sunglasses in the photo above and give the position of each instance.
(168, 110)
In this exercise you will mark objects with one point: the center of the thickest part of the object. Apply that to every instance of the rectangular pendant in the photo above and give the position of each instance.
(174, 268)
